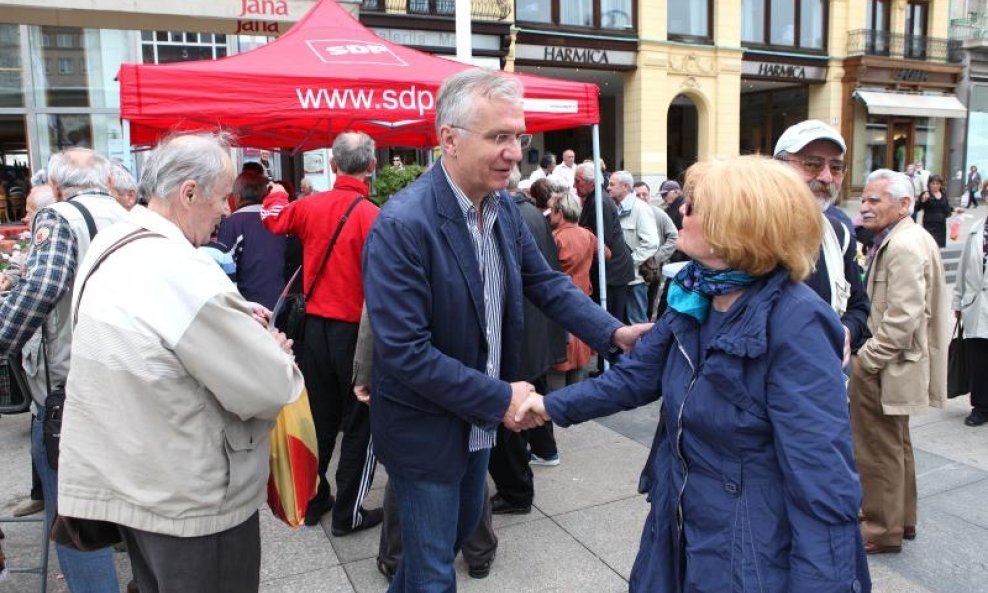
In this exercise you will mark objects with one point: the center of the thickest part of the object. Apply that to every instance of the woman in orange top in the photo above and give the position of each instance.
(577, 247)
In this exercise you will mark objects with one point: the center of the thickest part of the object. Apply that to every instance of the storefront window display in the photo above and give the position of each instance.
(99, 131)
(977, 128)
(891, 142)
(11, 79)
(76, 67)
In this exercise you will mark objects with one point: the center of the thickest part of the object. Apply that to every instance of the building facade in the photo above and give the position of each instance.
(58, 61)
(969, 143)
(680, 81)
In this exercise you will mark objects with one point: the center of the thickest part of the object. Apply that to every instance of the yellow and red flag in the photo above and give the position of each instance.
(294, 462)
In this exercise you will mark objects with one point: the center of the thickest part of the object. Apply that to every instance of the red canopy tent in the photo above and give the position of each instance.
(327, 74)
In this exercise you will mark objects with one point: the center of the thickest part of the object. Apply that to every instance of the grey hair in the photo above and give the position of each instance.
(250, 187)
(898, 186)
(202, 158)
(624, 177)
(514, 179)
(454, 106)
(91, 172)
(121, 179)
(44, 196)
(567, 205)
(40, 177)
(353, 152)
(585, 171)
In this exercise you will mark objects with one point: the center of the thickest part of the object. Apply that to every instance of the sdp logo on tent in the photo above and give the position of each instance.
(353, 51)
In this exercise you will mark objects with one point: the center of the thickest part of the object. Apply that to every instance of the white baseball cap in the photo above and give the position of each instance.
(796, 137)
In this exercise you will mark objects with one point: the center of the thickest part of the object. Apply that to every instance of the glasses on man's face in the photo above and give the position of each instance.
(815, 164)
(503, 139)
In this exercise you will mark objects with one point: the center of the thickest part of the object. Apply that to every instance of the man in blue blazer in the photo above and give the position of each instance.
(445, 269)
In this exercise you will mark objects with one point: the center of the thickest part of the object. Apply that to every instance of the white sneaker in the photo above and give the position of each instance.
(28, 506)
(534, 459)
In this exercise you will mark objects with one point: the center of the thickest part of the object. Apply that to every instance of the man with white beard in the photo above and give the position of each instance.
(816, 151)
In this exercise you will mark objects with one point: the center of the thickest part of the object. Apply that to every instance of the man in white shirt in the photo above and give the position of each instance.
(641, 235)
(565, 172)
(924, 177)
(546, 166)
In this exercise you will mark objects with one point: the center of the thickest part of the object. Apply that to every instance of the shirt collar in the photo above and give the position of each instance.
(628, 202)
(461, 197)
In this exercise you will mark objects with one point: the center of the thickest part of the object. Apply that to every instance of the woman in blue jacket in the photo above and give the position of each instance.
(751, 475)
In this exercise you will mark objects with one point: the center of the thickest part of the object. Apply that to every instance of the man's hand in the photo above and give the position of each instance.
(261, 314)
(847, 346)
(533, 404)
(282, 341)
(5, 283)
(363, 393)
(519, 394)
(625, 337)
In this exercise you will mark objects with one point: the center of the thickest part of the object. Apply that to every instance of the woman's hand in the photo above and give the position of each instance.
(535, 404)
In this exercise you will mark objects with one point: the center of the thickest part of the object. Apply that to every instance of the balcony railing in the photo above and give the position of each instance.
(481, 10)
(972, 27)
(868, 42)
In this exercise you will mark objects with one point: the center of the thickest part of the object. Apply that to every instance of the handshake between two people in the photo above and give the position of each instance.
(527, 407)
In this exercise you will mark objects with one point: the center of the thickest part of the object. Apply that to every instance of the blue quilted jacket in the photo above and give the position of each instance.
(751, 476)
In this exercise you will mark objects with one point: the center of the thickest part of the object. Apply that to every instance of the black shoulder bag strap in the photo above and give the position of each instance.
(329, 249)
(90, 223)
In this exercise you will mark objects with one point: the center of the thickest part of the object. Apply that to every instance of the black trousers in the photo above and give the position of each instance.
(327, 364)
(977, 354)
(509, 458)
(36, 492)
(224, 562)
(476, 549)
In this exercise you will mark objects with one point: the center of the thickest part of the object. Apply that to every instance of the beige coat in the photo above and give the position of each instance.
(909, 322)
(971, 288)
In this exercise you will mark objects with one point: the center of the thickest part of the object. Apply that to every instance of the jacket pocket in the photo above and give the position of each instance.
(879, 289)
(246, 465)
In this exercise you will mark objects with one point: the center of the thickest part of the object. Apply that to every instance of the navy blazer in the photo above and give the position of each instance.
(425, 299)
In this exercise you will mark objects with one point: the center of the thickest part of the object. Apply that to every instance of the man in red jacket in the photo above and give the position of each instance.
(332, 318)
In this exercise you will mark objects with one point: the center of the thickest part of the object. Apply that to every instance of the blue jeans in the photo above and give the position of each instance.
(435, 519)
(638, 303)
(85, 572)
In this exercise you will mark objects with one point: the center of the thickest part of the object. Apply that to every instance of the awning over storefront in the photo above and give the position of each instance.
(880, 103)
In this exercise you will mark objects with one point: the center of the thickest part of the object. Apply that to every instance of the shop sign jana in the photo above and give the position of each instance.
(256, 8)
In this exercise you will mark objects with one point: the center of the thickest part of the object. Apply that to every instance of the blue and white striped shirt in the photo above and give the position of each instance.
(492, 273)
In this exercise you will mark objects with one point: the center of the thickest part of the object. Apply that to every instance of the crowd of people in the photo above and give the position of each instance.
(446, 332)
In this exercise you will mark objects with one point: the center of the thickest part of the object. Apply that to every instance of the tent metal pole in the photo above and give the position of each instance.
(599, 205)
(128, 150)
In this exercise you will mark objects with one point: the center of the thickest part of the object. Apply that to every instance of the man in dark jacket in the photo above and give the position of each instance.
(543, 343)
(816, 152)
(445, 268)
(619, 270)
(258, 253)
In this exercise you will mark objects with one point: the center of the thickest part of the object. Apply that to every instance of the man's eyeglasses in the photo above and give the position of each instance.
(815, 164)
(502, 139)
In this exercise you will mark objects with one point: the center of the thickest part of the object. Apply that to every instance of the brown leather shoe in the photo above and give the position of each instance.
(871, 548)
(909, 532)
